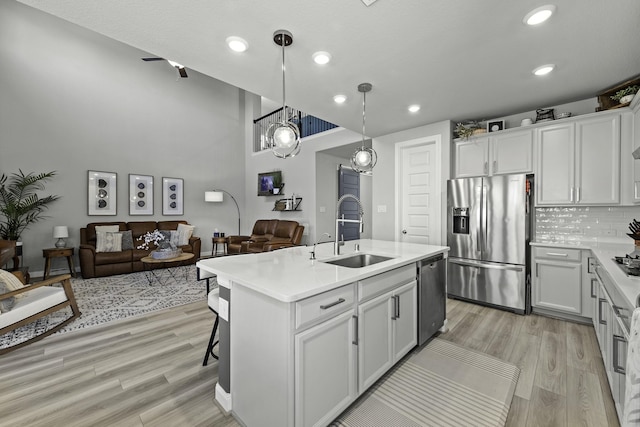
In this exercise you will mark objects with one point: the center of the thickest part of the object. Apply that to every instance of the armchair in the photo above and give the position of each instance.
(262, 231)
(33, 302)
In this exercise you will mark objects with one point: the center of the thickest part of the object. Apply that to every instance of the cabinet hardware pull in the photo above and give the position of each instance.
(617, 339)
(355, 331)
(600, 319)
(593, 292)
(590, 265)
(495, 166)
(486, 167)
(577, 194)
(397, 306)
(571, 198)
(340, 301)
(557, 254)
(394, 315)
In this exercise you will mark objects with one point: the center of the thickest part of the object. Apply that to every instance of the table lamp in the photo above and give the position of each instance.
(60, 232)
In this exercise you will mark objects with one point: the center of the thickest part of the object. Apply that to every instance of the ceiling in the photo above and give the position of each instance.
(461, 59)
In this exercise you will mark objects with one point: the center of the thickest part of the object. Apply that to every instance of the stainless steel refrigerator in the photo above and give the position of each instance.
(489, 227)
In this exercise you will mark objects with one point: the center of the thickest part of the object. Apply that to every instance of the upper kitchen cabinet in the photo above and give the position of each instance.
(579, 162)
(499, 154)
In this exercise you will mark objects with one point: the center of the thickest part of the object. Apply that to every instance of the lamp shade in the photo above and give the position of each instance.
(213, 196)
(60, 232)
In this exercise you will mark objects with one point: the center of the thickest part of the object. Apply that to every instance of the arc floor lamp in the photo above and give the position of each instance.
(217, 196)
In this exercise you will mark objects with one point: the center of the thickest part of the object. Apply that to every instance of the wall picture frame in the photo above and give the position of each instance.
(102, 194)
(172, 196)
(495, 125)
(140, 194)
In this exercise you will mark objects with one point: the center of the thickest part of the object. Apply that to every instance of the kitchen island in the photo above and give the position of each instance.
(301, 339)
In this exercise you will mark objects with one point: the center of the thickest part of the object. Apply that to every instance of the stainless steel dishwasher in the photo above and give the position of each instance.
(432, 296)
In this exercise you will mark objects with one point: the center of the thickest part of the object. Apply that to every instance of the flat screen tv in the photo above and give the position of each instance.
(267, 181)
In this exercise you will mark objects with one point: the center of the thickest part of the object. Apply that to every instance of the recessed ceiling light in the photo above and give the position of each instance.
(321, 57)
(539, 15)
(237, 44)
(414, 108)
(339, 99)
(544, 69)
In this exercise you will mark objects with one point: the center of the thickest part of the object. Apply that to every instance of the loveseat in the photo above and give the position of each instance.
(97, 261)
(267, 235)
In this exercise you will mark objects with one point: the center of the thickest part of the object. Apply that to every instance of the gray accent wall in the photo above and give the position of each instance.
(72, 100)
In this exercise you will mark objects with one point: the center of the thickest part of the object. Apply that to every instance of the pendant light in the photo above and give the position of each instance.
(364, 159)
(283, 137)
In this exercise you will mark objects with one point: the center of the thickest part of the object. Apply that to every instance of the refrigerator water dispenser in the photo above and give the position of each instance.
(461, 220)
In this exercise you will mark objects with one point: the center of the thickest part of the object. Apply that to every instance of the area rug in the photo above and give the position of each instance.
(105, 299)
(442, 385)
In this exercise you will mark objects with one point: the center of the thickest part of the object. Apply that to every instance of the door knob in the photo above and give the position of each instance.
(404, 231)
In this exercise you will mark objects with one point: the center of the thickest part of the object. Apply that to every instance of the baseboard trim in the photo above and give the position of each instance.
(223, 398)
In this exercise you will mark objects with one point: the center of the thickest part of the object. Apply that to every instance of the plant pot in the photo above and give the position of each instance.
(625, 99)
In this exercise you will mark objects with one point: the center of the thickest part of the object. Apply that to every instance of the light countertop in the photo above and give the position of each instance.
(605, 253)
(289, 275)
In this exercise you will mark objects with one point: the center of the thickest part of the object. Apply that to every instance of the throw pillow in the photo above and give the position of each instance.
(107, 228)
(127, 240)
(184, 233)
(108, 242)
(8, 283)
(7, 303)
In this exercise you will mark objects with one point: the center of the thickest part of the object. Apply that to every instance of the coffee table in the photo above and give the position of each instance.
(151, 264)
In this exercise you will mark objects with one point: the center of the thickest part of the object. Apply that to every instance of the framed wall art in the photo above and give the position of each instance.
(102, 196)
(172, 196)
(140, 194)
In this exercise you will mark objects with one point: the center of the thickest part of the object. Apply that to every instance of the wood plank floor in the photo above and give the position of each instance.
(148, 371)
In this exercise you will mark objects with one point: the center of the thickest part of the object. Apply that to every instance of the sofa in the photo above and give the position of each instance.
(96, 262)
(267, 235)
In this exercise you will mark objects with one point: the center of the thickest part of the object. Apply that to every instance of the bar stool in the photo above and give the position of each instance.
(213, 301)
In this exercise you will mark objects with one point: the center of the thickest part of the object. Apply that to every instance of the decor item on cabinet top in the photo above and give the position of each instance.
(625, 95)
(471, 127)
(544, 115)
(495, 125)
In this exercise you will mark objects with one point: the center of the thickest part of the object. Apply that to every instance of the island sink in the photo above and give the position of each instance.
(359, 260)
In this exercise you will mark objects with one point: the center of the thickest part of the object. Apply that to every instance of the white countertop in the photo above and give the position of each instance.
(605, 253)
(289, 275)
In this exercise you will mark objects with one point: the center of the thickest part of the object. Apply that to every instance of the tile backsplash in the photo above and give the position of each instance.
(589, 223)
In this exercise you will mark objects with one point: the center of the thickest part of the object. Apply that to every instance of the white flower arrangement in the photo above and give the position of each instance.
(151, 237)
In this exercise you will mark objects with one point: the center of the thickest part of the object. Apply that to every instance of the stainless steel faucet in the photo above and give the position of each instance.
(313, 251)
(337, 243)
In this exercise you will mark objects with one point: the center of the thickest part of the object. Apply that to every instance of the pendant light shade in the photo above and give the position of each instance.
(364, 159)
(283, 137)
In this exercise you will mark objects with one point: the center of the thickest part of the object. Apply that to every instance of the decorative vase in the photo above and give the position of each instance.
(165, 253)
(625, 99)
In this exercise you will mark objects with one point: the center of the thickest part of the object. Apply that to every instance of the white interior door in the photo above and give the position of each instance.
(419, 193)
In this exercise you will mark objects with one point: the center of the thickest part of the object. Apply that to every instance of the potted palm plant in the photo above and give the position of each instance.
(20, 205)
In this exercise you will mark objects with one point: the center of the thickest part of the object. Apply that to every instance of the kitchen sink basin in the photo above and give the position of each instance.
(359, 260)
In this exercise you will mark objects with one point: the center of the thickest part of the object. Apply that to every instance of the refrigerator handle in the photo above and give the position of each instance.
(484, 218)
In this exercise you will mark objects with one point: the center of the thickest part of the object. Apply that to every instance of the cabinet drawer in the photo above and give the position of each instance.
(376, 285)
(557, 253)
(319, 307)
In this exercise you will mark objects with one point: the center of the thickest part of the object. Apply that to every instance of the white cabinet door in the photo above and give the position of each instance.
(512, 153)
(558, 286)
(325, 370)
(555, 171)
(598, 161)
(472, 157)
(405, 319)
(375, 339)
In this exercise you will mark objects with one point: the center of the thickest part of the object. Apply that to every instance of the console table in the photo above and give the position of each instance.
(50, 253)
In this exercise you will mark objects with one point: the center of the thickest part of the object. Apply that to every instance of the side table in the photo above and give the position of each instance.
(58, 253)
(219, 241)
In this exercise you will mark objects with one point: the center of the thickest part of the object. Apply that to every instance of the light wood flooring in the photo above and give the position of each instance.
(148, 371)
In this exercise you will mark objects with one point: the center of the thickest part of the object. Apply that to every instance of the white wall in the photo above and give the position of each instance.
(384, 177)
(72, 100)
